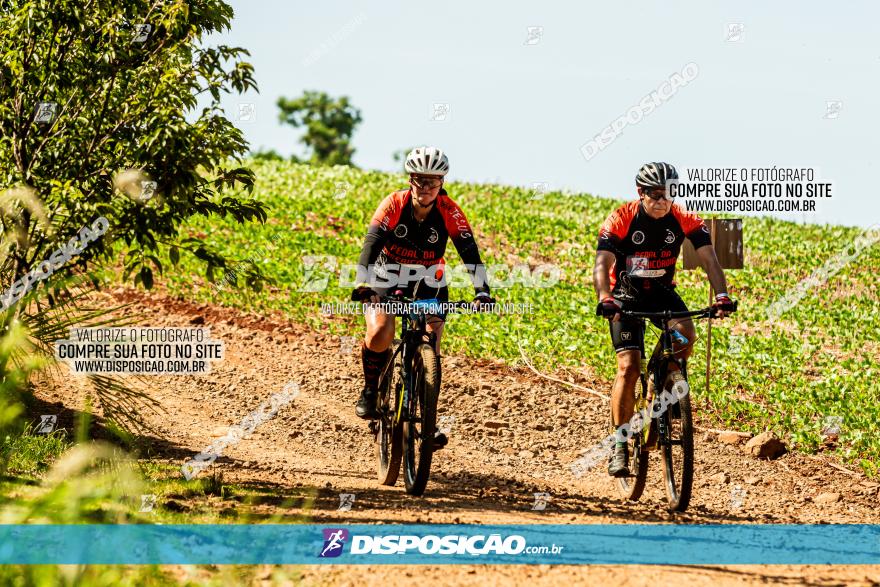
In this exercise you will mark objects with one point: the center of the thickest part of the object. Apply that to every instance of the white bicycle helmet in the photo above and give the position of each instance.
(427, 161)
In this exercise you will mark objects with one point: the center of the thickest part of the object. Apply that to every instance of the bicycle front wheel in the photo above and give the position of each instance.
(390, 437)
(677, 449)
(632, 487)
(419, 427)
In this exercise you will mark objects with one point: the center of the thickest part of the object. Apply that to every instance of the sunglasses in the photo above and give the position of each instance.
(420, 182)
(657, 194)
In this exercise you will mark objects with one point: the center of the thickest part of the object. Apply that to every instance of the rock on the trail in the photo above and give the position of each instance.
(825, 498)
(765, 446)
(526, 454)
(719, 478)
(496, 424)
(728, 437)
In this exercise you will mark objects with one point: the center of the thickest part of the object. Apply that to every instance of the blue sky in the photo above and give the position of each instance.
(519, 111)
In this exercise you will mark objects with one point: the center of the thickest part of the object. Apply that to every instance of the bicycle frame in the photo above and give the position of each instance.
(658, 362)
(668, 421)
(413, 329)
(413, 332)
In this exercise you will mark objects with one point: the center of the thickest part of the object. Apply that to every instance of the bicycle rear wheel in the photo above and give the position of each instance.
(390, 436)
(677, 450)
(419, 428)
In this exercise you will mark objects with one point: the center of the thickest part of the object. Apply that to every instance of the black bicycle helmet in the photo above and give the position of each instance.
(655, 175)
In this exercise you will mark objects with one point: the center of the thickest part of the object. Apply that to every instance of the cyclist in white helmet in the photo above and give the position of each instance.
(407, 237)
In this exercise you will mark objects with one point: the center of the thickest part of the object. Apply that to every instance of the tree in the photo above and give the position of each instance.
(88, 92)
(100, 139)
(266, 155)
(329, 125)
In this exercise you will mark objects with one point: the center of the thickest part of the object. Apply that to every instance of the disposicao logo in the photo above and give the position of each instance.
(444, 545)
(334, 541)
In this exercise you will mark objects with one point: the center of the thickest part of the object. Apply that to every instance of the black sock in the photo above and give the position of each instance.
(373, 364)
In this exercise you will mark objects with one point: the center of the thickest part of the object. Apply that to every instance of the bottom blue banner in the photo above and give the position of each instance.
(615, 544)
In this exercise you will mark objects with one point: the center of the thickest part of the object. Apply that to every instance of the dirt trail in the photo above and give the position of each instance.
(513, 435)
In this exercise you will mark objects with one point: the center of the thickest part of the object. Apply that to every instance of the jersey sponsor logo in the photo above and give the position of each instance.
(604, 234)
(625, 335)
(433, 237)
(638, 237)
(400, 230)
(461, 223)
(641, 267)
(670, 237)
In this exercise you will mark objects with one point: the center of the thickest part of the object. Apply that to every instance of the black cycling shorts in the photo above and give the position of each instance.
(628, 334)
(422, 292)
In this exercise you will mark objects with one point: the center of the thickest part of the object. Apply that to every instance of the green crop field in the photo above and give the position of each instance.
(815, 367)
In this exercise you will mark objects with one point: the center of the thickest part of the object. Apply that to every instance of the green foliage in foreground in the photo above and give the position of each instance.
(796, 375)
(29, 453)
(50, 481)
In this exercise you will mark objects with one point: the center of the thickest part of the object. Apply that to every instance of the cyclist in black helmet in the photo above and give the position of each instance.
(638, 247)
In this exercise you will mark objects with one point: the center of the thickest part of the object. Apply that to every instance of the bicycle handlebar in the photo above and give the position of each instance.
(709, 312)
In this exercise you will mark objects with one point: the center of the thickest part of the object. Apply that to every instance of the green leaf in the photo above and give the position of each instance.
(146, 275)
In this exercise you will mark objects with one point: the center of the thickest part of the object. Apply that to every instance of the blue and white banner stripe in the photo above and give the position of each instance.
(725, 544)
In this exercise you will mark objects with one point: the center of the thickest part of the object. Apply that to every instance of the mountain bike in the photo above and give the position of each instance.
(407, 396)
(670, 427)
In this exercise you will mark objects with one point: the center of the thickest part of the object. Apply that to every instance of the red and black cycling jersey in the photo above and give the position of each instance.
(396, 237)
(646, 249)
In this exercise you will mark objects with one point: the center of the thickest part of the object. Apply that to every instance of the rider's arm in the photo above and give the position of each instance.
(383, 222)
(602, 274)
(462, 236)
(709, 262)
(611, 235)
(697, 232)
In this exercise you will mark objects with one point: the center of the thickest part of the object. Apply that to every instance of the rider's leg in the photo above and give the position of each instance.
(375, 353)
(683, 351)
(435, 325)
(622, 405)
(375, 350)
(380, 330)
(623, 390)
(672, 301)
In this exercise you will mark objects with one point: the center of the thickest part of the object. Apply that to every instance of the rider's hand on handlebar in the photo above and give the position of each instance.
(363, 293)
(609, 308)
(483, 301)
(723, 306)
